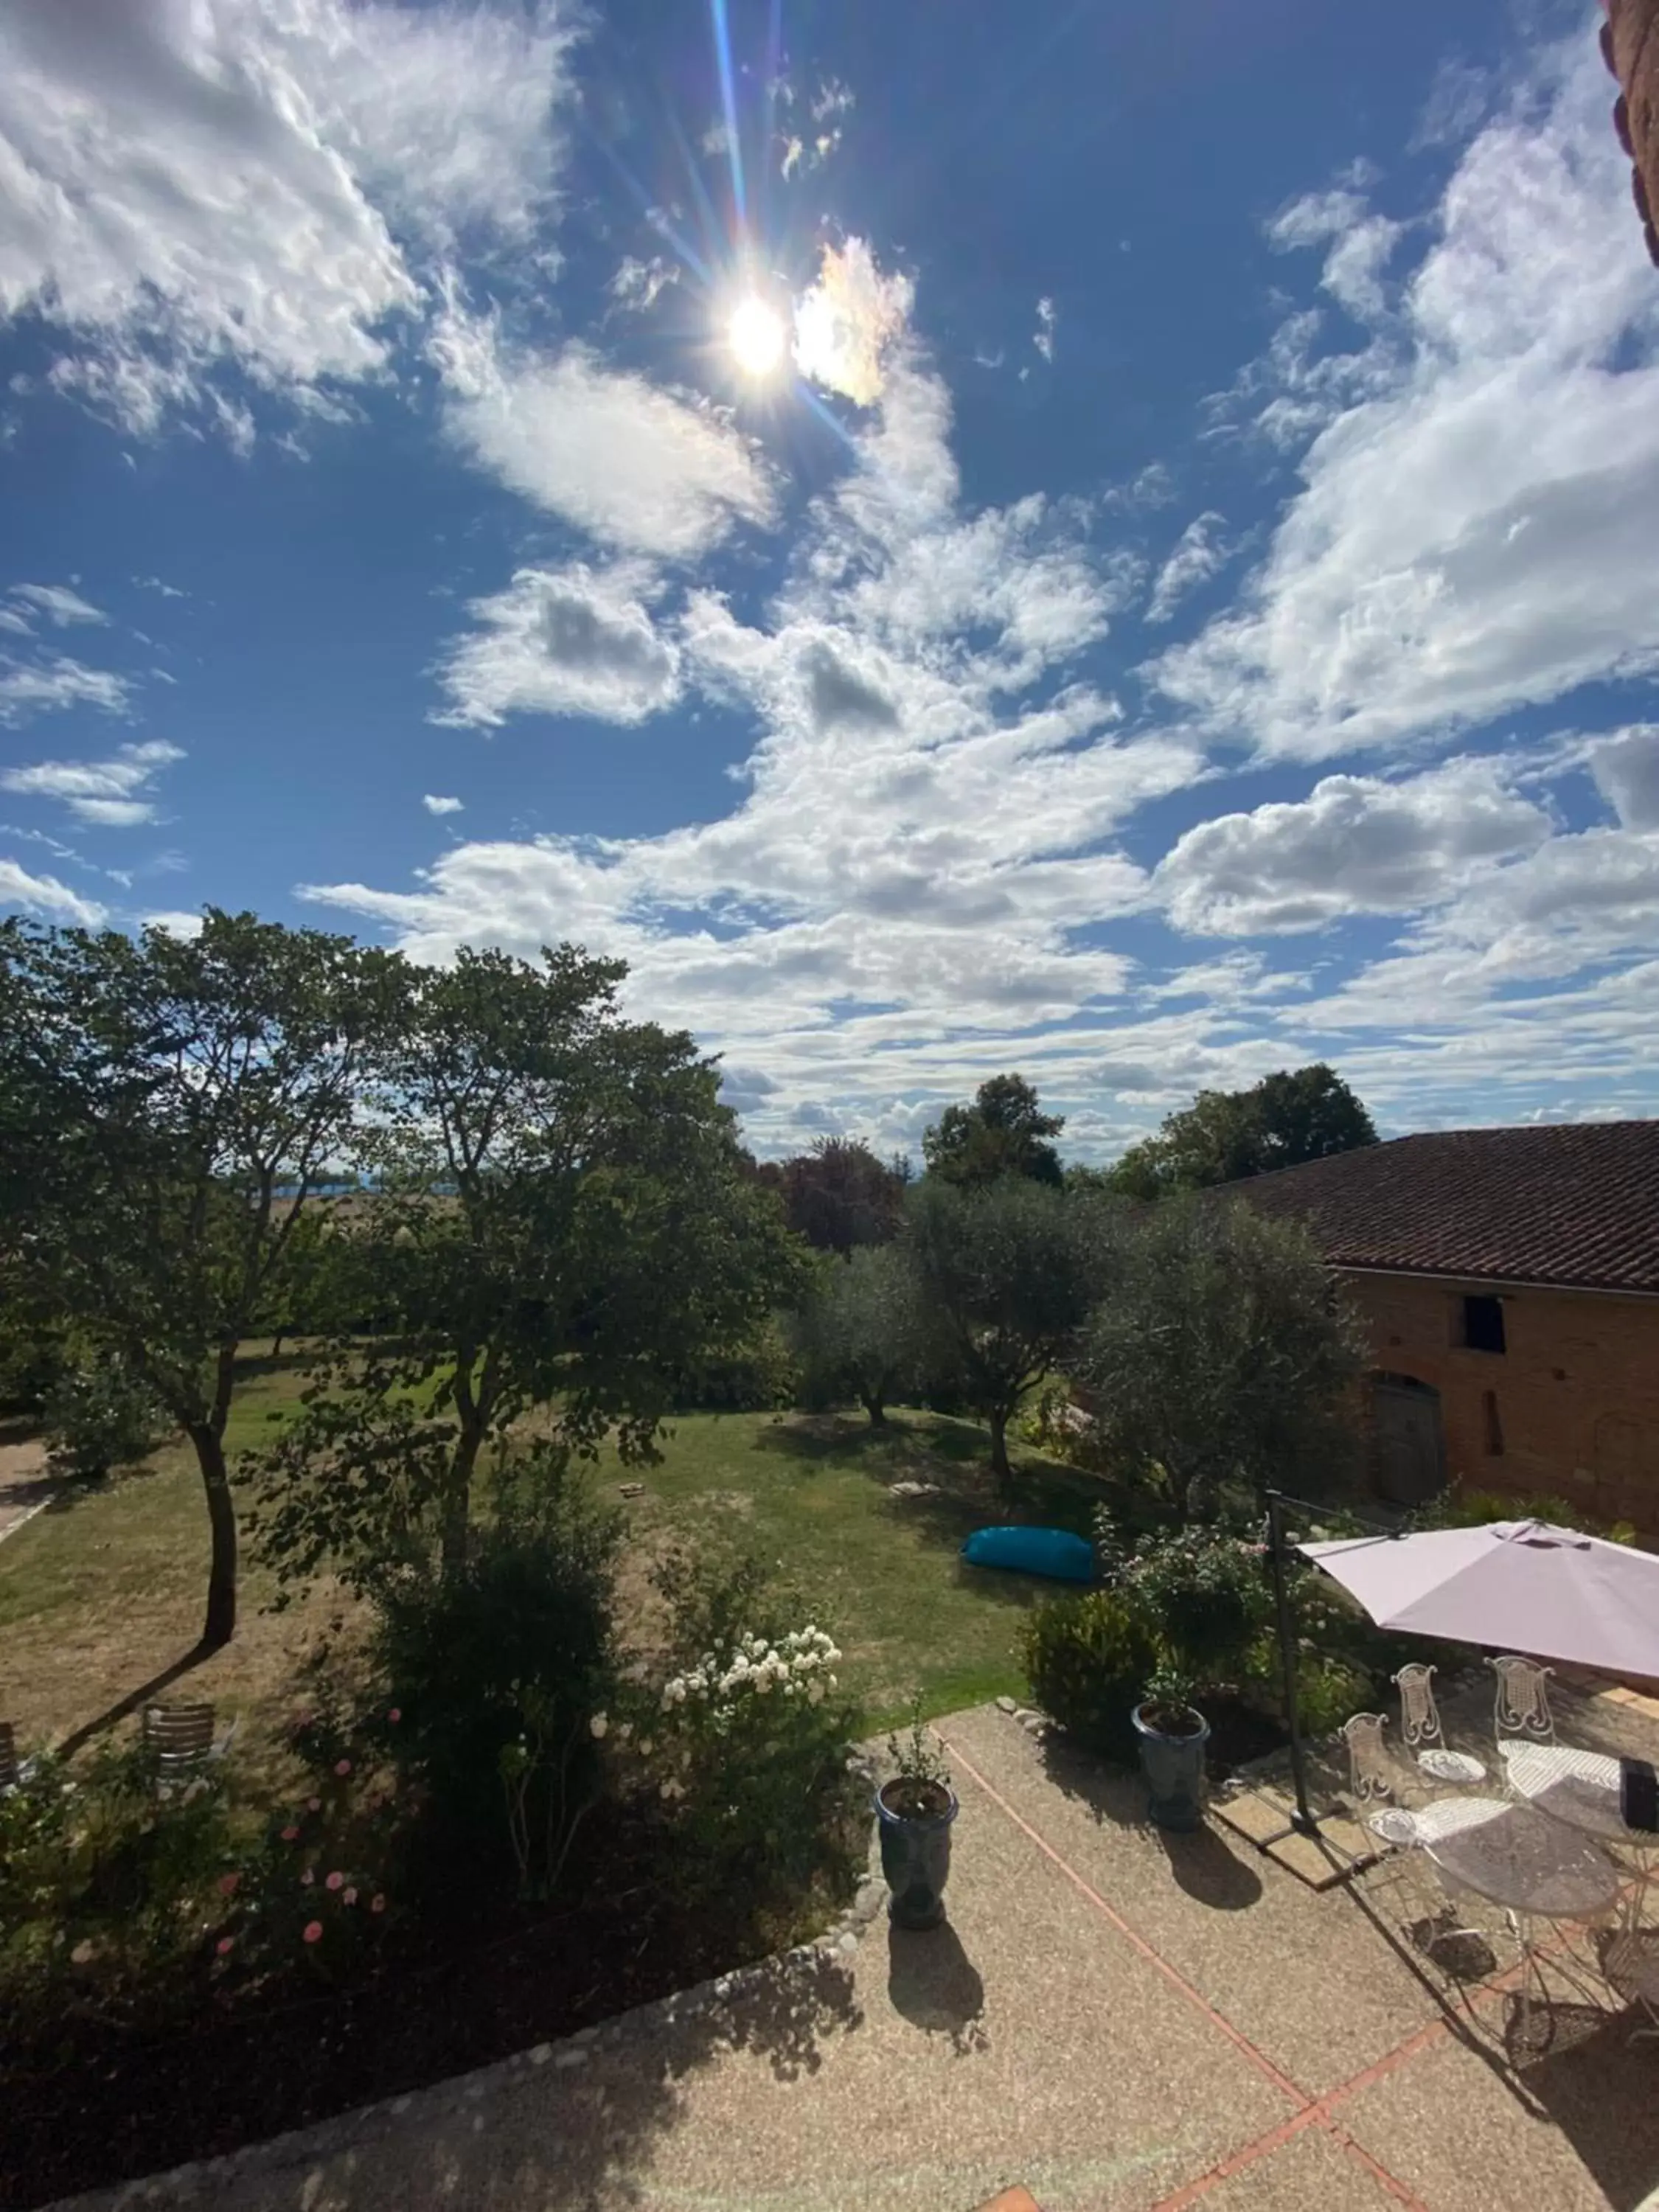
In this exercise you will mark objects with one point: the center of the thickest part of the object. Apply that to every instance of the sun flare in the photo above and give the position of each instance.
(756, 336)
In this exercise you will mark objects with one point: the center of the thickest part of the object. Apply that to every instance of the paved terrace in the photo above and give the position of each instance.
(1123, 2022)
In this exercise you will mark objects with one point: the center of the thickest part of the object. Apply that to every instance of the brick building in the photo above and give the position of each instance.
(1510, 1282)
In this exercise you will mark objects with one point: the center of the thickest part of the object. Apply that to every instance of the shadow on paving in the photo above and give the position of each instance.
(570, 2137)
(1598, 2087)
(932, 1982)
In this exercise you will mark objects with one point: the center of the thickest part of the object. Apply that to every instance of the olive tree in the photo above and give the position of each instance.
(860, 1333)
(1005, 1272)
(167, 1109)
(1220, 1353)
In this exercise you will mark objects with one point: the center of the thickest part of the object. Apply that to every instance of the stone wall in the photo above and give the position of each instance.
(1572, 1401)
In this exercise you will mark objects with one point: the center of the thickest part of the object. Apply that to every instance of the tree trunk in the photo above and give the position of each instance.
(219, 1624)
(457, 1501)
(1000, 1467)
(871, 1401)
(277, 1346)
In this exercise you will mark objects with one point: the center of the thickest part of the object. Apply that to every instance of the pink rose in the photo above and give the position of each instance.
(351, 1897)
(227, 1884)
(377, 1905)
(313, 1932)
(395, 1714)
(315, 1804)
(335, 1881)
(342, 1766)
(290, 1835)
(225, 1946)
(307, 1877)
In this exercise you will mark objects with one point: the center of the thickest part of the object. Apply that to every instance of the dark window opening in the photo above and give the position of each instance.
(1494, 1427)
(1482, 1324)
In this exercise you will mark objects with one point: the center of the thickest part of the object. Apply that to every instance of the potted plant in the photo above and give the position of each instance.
(915, 1808)
(1172, 1733)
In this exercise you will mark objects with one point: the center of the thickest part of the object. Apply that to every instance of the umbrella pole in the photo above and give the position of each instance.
(1303, 1820)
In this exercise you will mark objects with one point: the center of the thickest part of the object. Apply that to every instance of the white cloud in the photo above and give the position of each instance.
(1625, 767)
(434, 804)
(1200, 550)
(1356, 845)
(176, 922)
(1043, 338)
(109, 793)
(1360, 245)
(1475, 525)
(848, 321)
(46, 896)
(637, 467)
(44, 687)
(634, 285)
(61, 606)
(184, 187)
(571, 641)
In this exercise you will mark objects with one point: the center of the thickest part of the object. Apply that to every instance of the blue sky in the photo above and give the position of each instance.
(1178, 600)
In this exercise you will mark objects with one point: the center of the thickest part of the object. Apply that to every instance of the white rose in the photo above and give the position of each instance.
(598, 1726)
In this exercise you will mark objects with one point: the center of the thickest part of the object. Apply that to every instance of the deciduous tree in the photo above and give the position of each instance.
(1223, 1136)
(1004, 1132)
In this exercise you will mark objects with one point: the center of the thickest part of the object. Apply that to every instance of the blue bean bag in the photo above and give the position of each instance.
(1052, 1552)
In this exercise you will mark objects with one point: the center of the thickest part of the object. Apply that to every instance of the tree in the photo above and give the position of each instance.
(862, 1333)
(1006, 1273)
(560, 1218)
(1225, 1136)
(1220, 1351)
(168, 1107)
(1003, 1133)
(839, 1196)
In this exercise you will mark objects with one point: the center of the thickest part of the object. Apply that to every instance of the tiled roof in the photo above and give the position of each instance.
(1573, 1203)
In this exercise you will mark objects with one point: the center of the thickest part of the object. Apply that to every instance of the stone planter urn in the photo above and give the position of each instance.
(915, 1819)
(1172, 1738)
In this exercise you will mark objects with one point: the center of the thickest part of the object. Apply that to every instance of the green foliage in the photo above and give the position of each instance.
(1305, 1114)
(496, 1665)
(106, 1888)
(1089, 1660)
(1219, 1355)
(1003, 1133)
(918, 1769)
(1459, 1507)
(98, 1416)
(739, 1738)
(755, 1376)
(1006, 1274)
(1203, 1593)
(861, 1333)
(166, 1107)
(560, 1221)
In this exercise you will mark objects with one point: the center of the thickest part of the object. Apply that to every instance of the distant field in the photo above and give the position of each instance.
(104, 1589)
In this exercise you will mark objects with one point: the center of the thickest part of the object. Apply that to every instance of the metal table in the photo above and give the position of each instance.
(1532, 1868)
(1580, 1789)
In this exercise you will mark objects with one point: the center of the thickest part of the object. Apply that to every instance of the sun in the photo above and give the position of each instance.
(756, 336)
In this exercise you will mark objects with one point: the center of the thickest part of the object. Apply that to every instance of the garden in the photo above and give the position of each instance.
(600, 1491)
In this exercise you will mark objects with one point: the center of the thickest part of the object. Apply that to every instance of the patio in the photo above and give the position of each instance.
(1123, 2022)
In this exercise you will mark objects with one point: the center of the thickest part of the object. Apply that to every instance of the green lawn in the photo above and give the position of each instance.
(104, 1589)
(882, 1572)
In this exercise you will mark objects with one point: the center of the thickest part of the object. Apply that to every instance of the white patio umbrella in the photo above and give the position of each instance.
(1511, 1585)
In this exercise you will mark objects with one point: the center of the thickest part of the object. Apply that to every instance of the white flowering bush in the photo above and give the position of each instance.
(736, 1742)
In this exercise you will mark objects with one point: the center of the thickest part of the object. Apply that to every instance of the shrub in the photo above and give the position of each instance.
(496, 1668)
(757, 1377)
(739, 1737)
(107, 1890)
(1457, 1507)
(1202, 1593)
(97, 1417)
(1089, 1660)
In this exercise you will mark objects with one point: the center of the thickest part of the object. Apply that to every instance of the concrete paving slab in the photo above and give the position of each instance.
(1310, 1979)
(1026, 2041)
(1311, 2171)
(1577, 2131)
(1258, 1815)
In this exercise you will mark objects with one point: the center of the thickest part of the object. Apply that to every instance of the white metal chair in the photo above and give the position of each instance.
(1632, 1965)
(1424, 1737)
(1520, 1712)
(10, 1772)
(180, 1742)
(1372, 1780)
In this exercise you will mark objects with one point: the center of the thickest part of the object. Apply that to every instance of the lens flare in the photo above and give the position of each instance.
(756, 336)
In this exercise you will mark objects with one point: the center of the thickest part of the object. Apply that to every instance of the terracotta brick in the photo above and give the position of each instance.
(1576, 1389)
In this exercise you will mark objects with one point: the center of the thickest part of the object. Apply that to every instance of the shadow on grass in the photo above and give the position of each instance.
(135, 1700)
